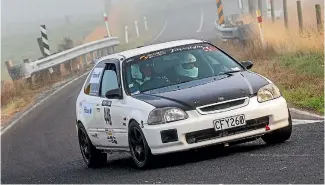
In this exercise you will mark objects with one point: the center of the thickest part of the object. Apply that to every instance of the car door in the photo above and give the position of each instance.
(111, 130)
(89, 101)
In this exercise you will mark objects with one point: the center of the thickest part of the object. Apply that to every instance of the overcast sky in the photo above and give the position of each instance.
(19, 14)
(26, 11)
(17, 11)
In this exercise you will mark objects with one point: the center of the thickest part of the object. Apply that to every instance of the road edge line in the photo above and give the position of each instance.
(161, 32)
(5, 129)
(201, 21)
(304, 122)
(306, 113)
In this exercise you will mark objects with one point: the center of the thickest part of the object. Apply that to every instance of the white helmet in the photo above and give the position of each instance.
(135, 72)
(187, 67)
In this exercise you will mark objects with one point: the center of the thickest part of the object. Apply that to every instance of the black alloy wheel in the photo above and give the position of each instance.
(139, 148)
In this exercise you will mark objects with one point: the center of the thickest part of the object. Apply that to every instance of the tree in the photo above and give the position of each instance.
(66, 44)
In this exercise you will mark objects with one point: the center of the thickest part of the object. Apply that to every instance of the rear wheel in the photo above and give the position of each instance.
(91, 156)
(139, 148)
(280, 135)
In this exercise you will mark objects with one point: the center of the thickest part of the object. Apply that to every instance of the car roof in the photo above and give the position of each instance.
(150, 48)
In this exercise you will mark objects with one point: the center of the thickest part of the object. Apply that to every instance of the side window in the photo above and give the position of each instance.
(93, 81)
(109, 81)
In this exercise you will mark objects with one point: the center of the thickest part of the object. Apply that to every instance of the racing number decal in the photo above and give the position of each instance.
(110, 136)
(107, 115)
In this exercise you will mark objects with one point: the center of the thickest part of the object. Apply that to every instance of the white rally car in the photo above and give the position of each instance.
(175, 96)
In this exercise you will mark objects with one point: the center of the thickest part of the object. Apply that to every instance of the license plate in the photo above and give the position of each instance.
(230, 122)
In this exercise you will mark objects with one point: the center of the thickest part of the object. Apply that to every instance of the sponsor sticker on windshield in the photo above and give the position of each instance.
(152, 55)
(191, 47)
(209, 48)
(177, 49)
(235, 69)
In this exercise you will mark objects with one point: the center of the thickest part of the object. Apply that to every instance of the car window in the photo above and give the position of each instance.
(92, 85)
(109, 81)
(175, 66)
(93, 81)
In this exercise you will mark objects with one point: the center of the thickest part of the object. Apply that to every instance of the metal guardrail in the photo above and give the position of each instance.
(59, 58)
(236, 32)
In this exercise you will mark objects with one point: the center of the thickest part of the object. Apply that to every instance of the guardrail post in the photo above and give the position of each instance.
(98, 54)
(300, 18)
(84, 60)
(94, 55)
(62, 69)
(319, 17)
(9, 66)
(71, 66)
(80, 63)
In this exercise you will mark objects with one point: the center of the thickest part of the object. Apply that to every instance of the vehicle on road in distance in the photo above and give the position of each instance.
(175, 96)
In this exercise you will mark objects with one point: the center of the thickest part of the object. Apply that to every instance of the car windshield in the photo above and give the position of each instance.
(175, 66)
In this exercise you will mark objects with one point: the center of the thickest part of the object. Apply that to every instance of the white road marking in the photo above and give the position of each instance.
(280, 155)
(162, 31)
(306, 113)
(302, 122)
(39, 103)
(201, 21)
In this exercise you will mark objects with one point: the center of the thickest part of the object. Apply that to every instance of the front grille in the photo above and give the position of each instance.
(222, 106)
(208, 134)
(232, 104)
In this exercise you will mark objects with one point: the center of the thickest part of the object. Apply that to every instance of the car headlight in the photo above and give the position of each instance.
(268, 92)
(166, 115)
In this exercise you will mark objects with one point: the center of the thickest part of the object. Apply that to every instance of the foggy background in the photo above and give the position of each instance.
(20, 21)
(21, 16)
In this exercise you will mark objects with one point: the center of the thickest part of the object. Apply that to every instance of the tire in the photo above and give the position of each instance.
(92, 157)
(280, 135)
(139, 149)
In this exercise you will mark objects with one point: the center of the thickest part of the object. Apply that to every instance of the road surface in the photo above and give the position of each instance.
(43, 146)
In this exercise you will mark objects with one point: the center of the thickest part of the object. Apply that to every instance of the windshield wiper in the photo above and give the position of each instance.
(230, 72)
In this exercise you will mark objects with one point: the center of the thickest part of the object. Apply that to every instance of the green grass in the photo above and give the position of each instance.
(304, 94)
(311, 63)
(303, 97)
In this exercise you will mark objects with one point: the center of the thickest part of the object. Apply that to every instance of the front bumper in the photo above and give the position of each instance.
(201, 128)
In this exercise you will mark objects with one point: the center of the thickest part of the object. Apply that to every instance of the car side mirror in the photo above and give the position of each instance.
(114, 94)
(247, 64)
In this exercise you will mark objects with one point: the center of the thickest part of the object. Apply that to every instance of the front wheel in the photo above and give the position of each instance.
(139, 148)
(280, 135)
(91, 156)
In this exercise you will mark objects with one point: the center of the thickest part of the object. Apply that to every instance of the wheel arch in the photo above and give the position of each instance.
(137, 116)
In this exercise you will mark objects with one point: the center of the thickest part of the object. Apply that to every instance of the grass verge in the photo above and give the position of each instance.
(293, 61)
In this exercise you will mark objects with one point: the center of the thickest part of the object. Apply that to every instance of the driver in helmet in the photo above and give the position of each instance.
(146, 70)
(141, 73)
(187, 68)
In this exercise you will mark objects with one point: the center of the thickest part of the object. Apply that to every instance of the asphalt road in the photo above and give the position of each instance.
(43, 146)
